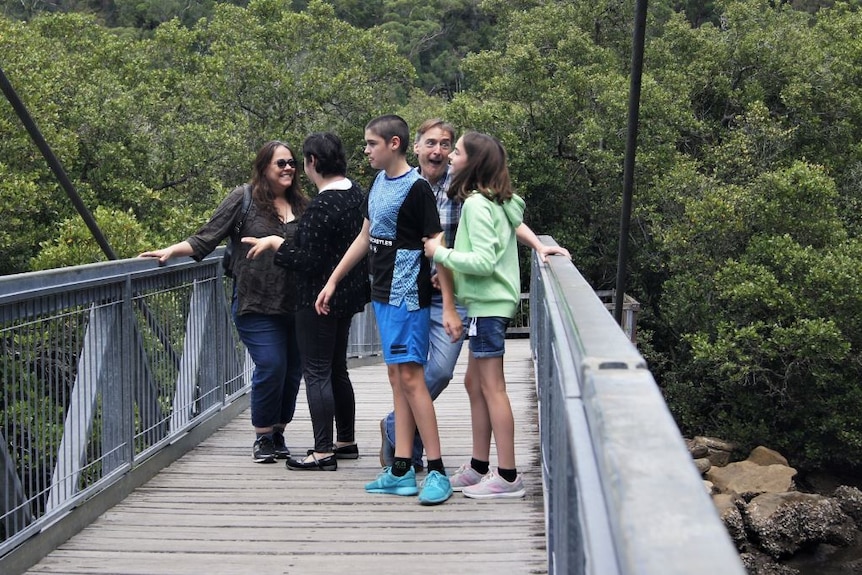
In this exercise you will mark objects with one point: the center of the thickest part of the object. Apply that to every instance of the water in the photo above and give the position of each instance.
(829, 560)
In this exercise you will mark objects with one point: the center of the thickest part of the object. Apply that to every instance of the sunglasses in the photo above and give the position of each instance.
(282, 163)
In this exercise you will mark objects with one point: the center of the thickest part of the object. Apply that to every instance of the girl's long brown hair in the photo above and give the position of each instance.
(263, 193)
(486, 169)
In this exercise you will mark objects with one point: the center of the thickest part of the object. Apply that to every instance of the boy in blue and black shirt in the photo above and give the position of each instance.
(400, 212)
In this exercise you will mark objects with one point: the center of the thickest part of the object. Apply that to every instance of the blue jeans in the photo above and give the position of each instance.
(271, 342)
(442, 357)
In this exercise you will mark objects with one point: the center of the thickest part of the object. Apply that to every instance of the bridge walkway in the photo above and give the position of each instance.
(214, 511)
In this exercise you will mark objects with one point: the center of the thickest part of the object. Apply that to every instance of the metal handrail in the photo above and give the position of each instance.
(622, 493)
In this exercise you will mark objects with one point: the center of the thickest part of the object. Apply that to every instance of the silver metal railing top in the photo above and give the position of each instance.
(621, 490)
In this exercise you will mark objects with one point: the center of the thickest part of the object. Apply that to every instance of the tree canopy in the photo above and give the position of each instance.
(162, 127)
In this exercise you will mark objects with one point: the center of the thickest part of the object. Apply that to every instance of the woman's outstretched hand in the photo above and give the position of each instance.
(262, 245)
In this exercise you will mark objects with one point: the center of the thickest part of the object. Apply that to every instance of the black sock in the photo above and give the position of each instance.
(436, 465)
(267, 435)
(508, 474)
(481, 467)
(400, 466)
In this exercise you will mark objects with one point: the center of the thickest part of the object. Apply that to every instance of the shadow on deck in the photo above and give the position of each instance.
(214, 511)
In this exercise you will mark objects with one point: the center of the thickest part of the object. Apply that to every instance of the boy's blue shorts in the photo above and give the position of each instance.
(405, 334)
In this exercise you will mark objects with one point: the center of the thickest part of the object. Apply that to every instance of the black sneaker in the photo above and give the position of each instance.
(264, 450)
(279, 447)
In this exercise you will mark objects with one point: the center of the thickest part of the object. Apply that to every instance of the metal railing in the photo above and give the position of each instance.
(520, 324)
(622, 494)
(105, 365)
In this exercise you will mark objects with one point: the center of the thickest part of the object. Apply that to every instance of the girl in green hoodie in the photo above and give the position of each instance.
(484, 262)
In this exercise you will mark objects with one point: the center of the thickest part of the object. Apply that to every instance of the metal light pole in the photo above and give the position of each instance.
(631, 146)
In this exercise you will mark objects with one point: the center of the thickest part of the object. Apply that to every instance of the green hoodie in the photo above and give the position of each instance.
(484, 260)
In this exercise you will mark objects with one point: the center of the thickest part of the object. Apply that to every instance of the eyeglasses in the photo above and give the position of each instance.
(431, 144)
(282, 163)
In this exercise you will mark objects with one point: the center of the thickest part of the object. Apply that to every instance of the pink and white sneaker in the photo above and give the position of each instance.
(493, 486)
(465, 477)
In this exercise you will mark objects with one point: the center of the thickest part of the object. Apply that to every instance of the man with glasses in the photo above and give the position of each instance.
(434, 140)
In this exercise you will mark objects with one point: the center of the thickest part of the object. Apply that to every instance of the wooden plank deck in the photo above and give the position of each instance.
(213, 511)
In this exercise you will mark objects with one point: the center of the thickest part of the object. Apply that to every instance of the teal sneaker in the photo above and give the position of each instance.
(435, 489)
(388, 483)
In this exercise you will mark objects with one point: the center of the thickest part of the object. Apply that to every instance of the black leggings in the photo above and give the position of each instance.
(323, 346)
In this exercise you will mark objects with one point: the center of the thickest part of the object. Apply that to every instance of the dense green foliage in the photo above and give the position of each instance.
(163, 127)
(746, 251)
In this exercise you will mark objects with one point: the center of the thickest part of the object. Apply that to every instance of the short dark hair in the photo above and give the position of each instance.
(389, 126)
(330, 159)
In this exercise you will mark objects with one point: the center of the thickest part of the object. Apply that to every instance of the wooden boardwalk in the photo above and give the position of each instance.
(213, 511)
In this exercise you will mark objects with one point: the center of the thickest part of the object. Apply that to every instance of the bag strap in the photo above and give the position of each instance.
(246, 206)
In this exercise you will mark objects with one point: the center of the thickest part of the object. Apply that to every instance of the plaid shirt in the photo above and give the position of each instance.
(449, 210)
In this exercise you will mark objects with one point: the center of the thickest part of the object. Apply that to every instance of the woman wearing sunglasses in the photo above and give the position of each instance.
(327, 230)
(264, 294)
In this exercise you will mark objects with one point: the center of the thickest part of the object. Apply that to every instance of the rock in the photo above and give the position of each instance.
(710, 488)
(761, 564)
(765, 456)
(703, 464)
(850, 500)
(718, 451)
(727, 505)
(715, 443)
(697, 450)
(783, 523)
(750, 479)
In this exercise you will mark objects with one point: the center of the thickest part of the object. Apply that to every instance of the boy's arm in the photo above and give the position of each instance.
(451, 319)
(354, 254)
(528, 238)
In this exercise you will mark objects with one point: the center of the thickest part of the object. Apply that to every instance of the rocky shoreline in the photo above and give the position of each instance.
(777, 528)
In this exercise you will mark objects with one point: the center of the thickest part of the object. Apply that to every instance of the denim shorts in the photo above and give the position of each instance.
(487, 336)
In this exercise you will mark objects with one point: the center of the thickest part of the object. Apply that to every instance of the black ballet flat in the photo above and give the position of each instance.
(325, 464)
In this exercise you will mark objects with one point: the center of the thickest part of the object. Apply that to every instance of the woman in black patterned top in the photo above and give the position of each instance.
(328, 227)
(264, 295)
